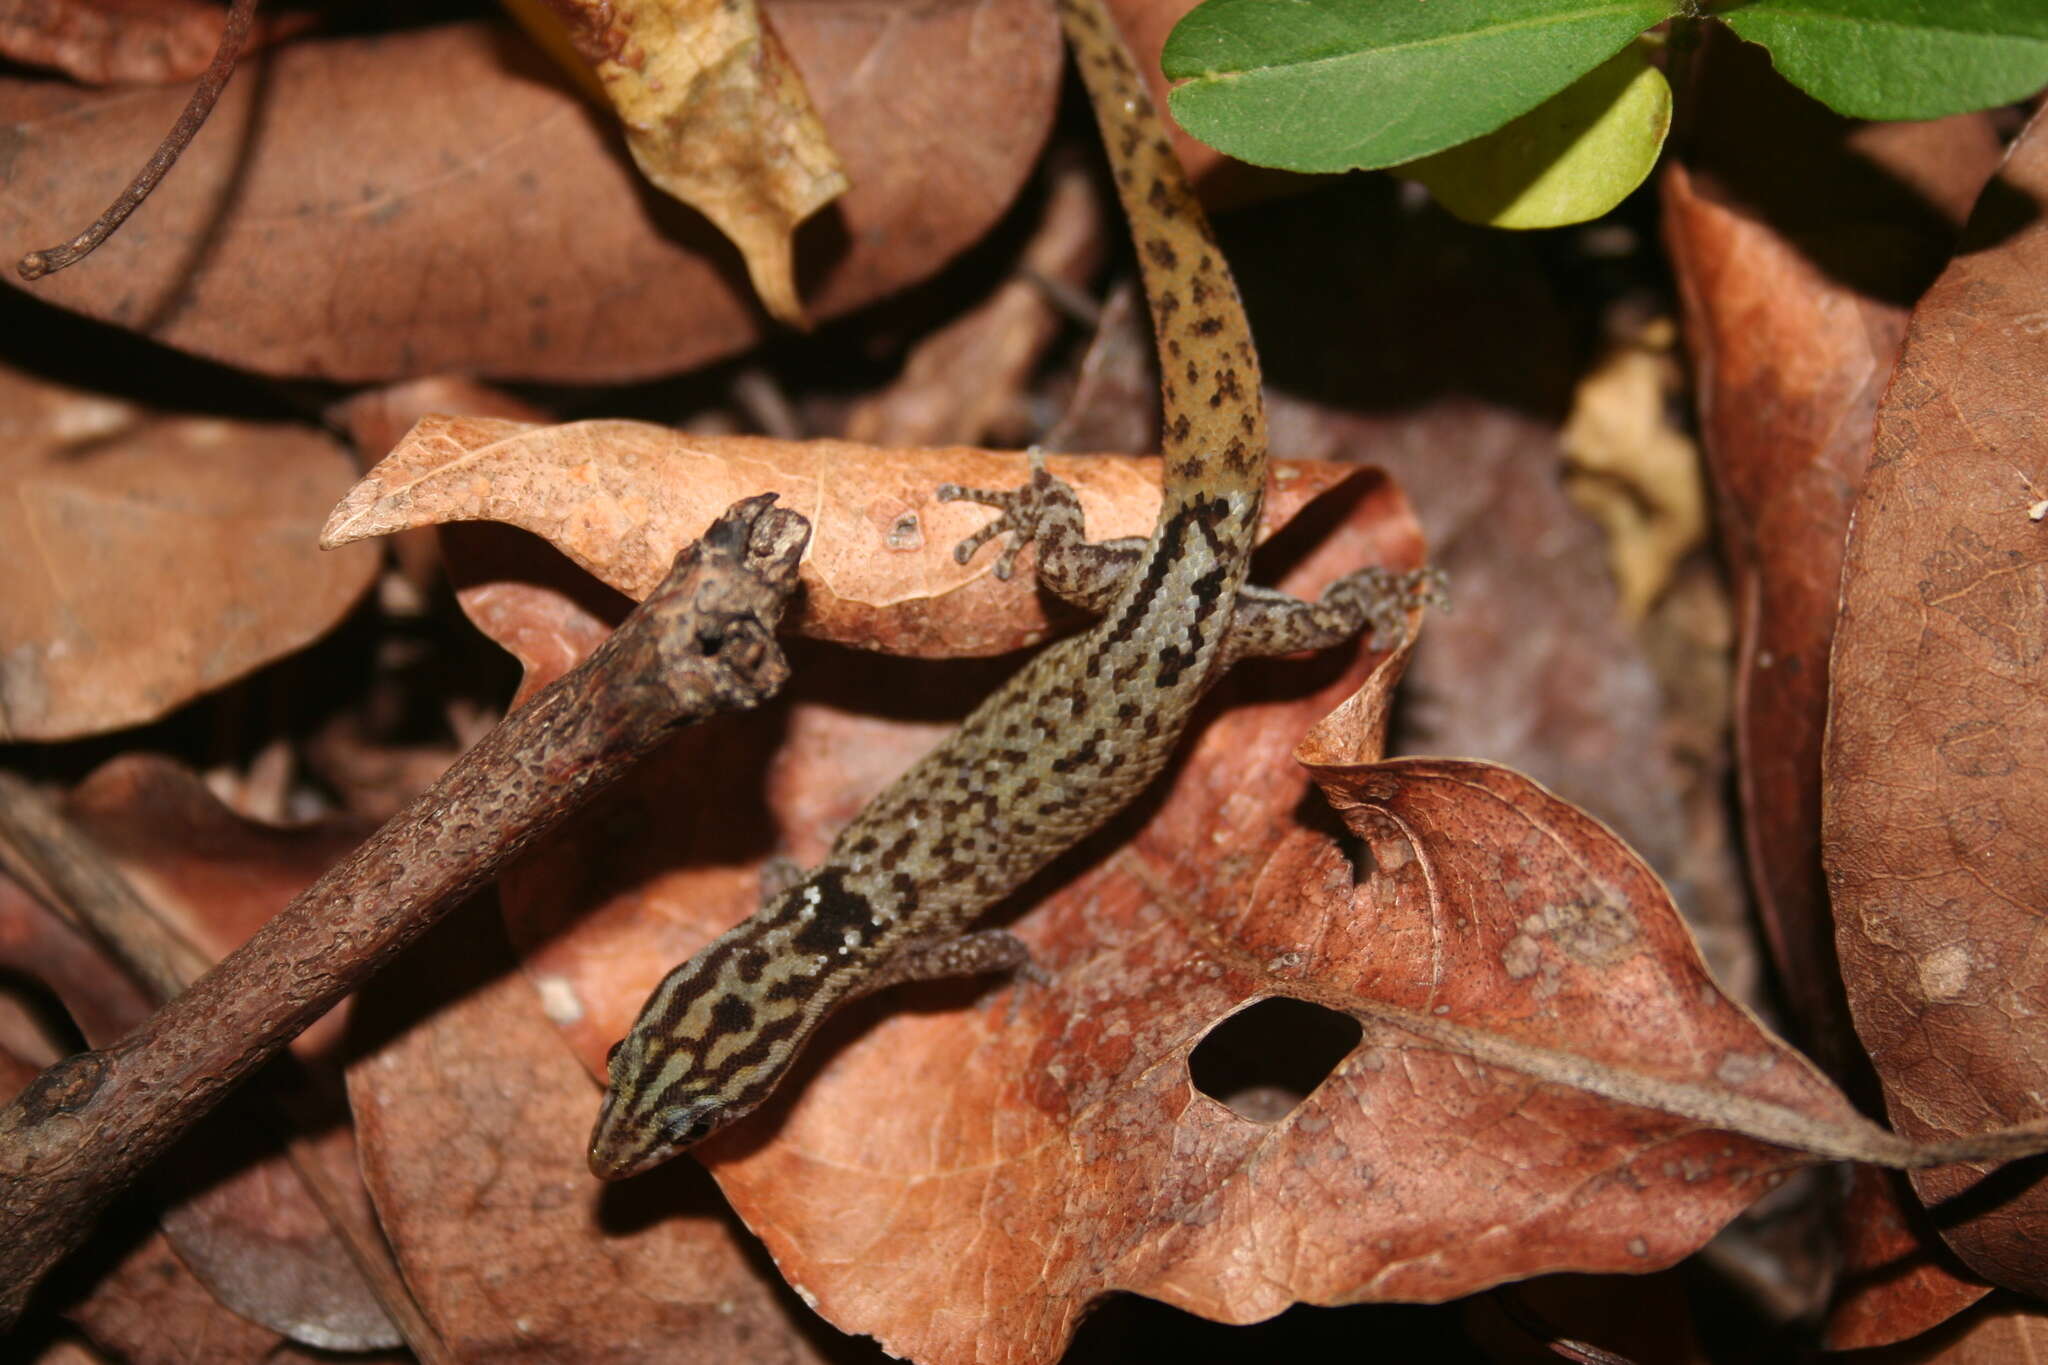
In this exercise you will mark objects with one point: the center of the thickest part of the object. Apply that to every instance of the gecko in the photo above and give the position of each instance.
(1066, 743)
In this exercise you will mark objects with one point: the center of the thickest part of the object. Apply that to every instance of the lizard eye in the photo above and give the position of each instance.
(686, 1124)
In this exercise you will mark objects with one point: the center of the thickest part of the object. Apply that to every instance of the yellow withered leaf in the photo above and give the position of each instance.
(715, 115)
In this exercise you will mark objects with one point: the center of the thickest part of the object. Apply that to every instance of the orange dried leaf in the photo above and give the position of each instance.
(716, 115)
(620, 498)
(153, 557)
(1936, 808)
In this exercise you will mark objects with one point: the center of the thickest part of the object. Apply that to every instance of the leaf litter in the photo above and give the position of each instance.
(959, 1144)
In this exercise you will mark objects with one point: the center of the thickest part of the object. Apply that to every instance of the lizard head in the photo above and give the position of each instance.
(652, 1110)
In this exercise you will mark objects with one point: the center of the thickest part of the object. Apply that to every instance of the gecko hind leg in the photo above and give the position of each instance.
(976, 954)
(1084, 572)
(1373, 599)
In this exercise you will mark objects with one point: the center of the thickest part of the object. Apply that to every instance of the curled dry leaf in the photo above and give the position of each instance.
(375, 420)
(620, 498)
(1935, 752)
(153, 557)
(717, 116)
(1534, 668)
(469, 1117)
(1795, 307)
(1793, 326)
(436, 199)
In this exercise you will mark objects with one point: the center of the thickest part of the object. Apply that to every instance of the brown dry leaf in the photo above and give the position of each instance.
(435, 200)
(1896, 1280)
(113, 42)
(1997, 1333)
(215, 876)
(716, 116)
(470, 1116)
(1934, 816)
(153, 557)
(620, 498)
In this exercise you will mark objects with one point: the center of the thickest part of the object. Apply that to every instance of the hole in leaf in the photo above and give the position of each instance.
(1263, 1061)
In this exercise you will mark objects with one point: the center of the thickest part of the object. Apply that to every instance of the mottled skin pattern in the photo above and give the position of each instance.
(1068, 742)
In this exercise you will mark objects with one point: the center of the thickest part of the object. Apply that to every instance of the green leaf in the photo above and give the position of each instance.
(1902, 59)
(1571, 158)
(1328, 85)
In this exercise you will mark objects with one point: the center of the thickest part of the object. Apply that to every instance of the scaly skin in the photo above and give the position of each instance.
(1067, 743)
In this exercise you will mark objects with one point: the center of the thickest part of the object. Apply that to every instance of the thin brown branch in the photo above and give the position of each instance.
(233, 34)
(75, 877)
(702, 643)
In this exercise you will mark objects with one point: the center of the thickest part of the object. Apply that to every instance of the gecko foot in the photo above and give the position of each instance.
(1026, 513)
(1385, 598)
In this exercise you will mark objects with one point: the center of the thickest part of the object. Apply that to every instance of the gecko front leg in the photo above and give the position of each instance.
(1046, 512)
(1266, 622)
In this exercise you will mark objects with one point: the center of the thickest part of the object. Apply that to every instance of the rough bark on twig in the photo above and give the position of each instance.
(701, 644)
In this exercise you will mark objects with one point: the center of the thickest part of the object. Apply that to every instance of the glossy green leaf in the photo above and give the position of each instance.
(1902, 59)
(1571, 158)
(1329, 85)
